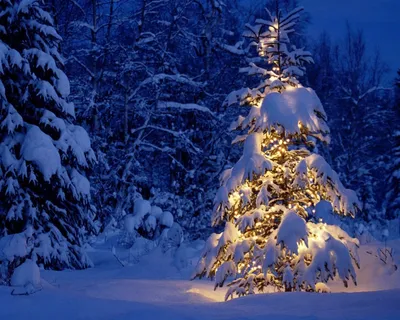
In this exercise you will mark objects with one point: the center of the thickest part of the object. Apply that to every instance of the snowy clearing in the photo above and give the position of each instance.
(155, 289)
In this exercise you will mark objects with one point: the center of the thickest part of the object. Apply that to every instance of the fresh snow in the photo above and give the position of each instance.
(155, 289)
(291, 231)
(253, 162)
(291, 107)
(156, 211)
(184, 106)
(81, 183)
(167, 219)
(13, 246)
(39, 149)
(26, 273)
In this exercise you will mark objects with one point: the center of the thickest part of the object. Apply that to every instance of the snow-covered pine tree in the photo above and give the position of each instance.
(44, 195)
(392, 202)
(273, 200)
(393, 194)
(398, 82)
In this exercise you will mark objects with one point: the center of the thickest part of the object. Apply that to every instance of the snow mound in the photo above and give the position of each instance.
(167, 219)
(156, 211)
(26, 273)
(322, 287)
(141, 208)
(129, 223)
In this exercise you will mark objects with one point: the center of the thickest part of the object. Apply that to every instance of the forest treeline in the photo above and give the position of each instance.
(149, 79)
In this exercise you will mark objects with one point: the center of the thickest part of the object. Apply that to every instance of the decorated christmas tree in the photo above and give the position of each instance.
(44, 195)
(278, 202)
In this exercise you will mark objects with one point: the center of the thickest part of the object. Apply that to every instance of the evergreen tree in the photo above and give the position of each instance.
(44, 195)
(393, 194)
(144, 84)
(348, 83)
(397, 92)
(277, 201)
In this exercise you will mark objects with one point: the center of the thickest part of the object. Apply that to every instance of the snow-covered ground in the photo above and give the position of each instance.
(155, 289)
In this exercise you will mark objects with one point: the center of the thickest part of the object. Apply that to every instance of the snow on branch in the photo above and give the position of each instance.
(184, 106)
(158, 78)
(176, 134)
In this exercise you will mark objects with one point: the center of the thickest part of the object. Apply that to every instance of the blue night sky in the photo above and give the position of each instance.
(379, 19)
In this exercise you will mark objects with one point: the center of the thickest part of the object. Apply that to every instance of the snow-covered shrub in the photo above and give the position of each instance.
(182, 208)
(147, 228)
(147, 221)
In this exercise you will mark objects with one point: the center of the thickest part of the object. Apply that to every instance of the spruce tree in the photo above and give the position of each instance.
(392, 202)
(277, 202)
(44, 195)
(397, 93)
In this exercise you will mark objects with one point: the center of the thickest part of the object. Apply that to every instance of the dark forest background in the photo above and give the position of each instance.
(149, 79)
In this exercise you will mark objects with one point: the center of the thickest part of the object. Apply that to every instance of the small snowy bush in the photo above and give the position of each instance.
(147, 228)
